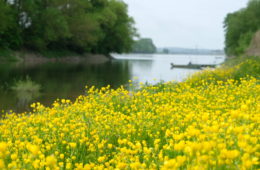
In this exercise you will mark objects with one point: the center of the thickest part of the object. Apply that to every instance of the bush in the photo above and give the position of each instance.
(235, 68)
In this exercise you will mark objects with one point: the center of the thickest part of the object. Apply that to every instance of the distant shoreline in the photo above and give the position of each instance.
(37, 58)
(189, 51)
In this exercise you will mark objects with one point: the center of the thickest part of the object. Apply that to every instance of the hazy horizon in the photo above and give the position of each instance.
(183, 24)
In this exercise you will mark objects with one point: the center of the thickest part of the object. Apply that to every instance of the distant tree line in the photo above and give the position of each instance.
(144, 45)
(94, 26)
(240, 27)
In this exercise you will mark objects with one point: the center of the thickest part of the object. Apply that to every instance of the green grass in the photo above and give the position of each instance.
(232, 61)
(233, 68)
(244, 66)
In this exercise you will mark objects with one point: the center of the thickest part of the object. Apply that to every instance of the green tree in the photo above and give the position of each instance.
(97, 26)
(83, 26)
(9, 31)
(240, 26)
(42, 22)
(5, 16)
(144, 45)
(117, 28)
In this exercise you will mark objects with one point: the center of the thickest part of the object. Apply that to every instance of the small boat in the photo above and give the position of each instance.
(192, 66)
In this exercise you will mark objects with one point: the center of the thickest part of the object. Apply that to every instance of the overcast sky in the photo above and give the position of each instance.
(183, 23)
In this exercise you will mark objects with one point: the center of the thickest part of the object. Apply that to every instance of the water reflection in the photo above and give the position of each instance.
(26, 91)
(57, 80)
(68, 80)
(157, 67)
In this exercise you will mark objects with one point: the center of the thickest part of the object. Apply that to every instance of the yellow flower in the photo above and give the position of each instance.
(244, 107)
(61, 156)
(170, 164)
(73, 145)
(109, 146)
(3, 147)
(51, 161)
(36, 164)
(14, 156)
(121, 165)
(2, 164)
(33, 149)
(101, 159)
(68, 166)
(165, 126)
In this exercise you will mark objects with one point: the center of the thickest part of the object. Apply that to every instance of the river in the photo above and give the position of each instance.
(22, 84)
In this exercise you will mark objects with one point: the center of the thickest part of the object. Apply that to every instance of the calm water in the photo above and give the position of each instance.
(61, 80)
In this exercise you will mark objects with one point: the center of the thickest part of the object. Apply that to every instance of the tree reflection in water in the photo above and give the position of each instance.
(26, 91)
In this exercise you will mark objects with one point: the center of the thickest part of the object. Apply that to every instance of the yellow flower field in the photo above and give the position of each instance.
(167, 126)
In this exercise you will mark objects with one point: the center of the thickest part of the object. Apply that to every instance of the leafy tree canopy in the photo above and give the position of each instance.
(144, 45)
(97, 26)
(240, 26)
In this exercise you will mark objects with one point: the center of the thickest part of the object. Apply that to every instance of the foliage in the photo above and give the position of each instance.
(7, 55)
(9, 31)
(118, 26)
(81, 26)
(5, 16)
(144, 45)
(240, 26)
(235, 68)
(233, 61)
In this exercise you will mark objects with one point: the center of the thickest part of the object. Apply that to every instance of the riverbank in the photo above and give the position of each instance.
(29, 57)
(234, 68)
(209, 121)
(67, 80)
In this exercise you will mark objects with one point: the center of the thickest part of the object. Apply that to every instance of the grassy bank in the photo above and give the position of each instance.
(233, 68)
(210, 121)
